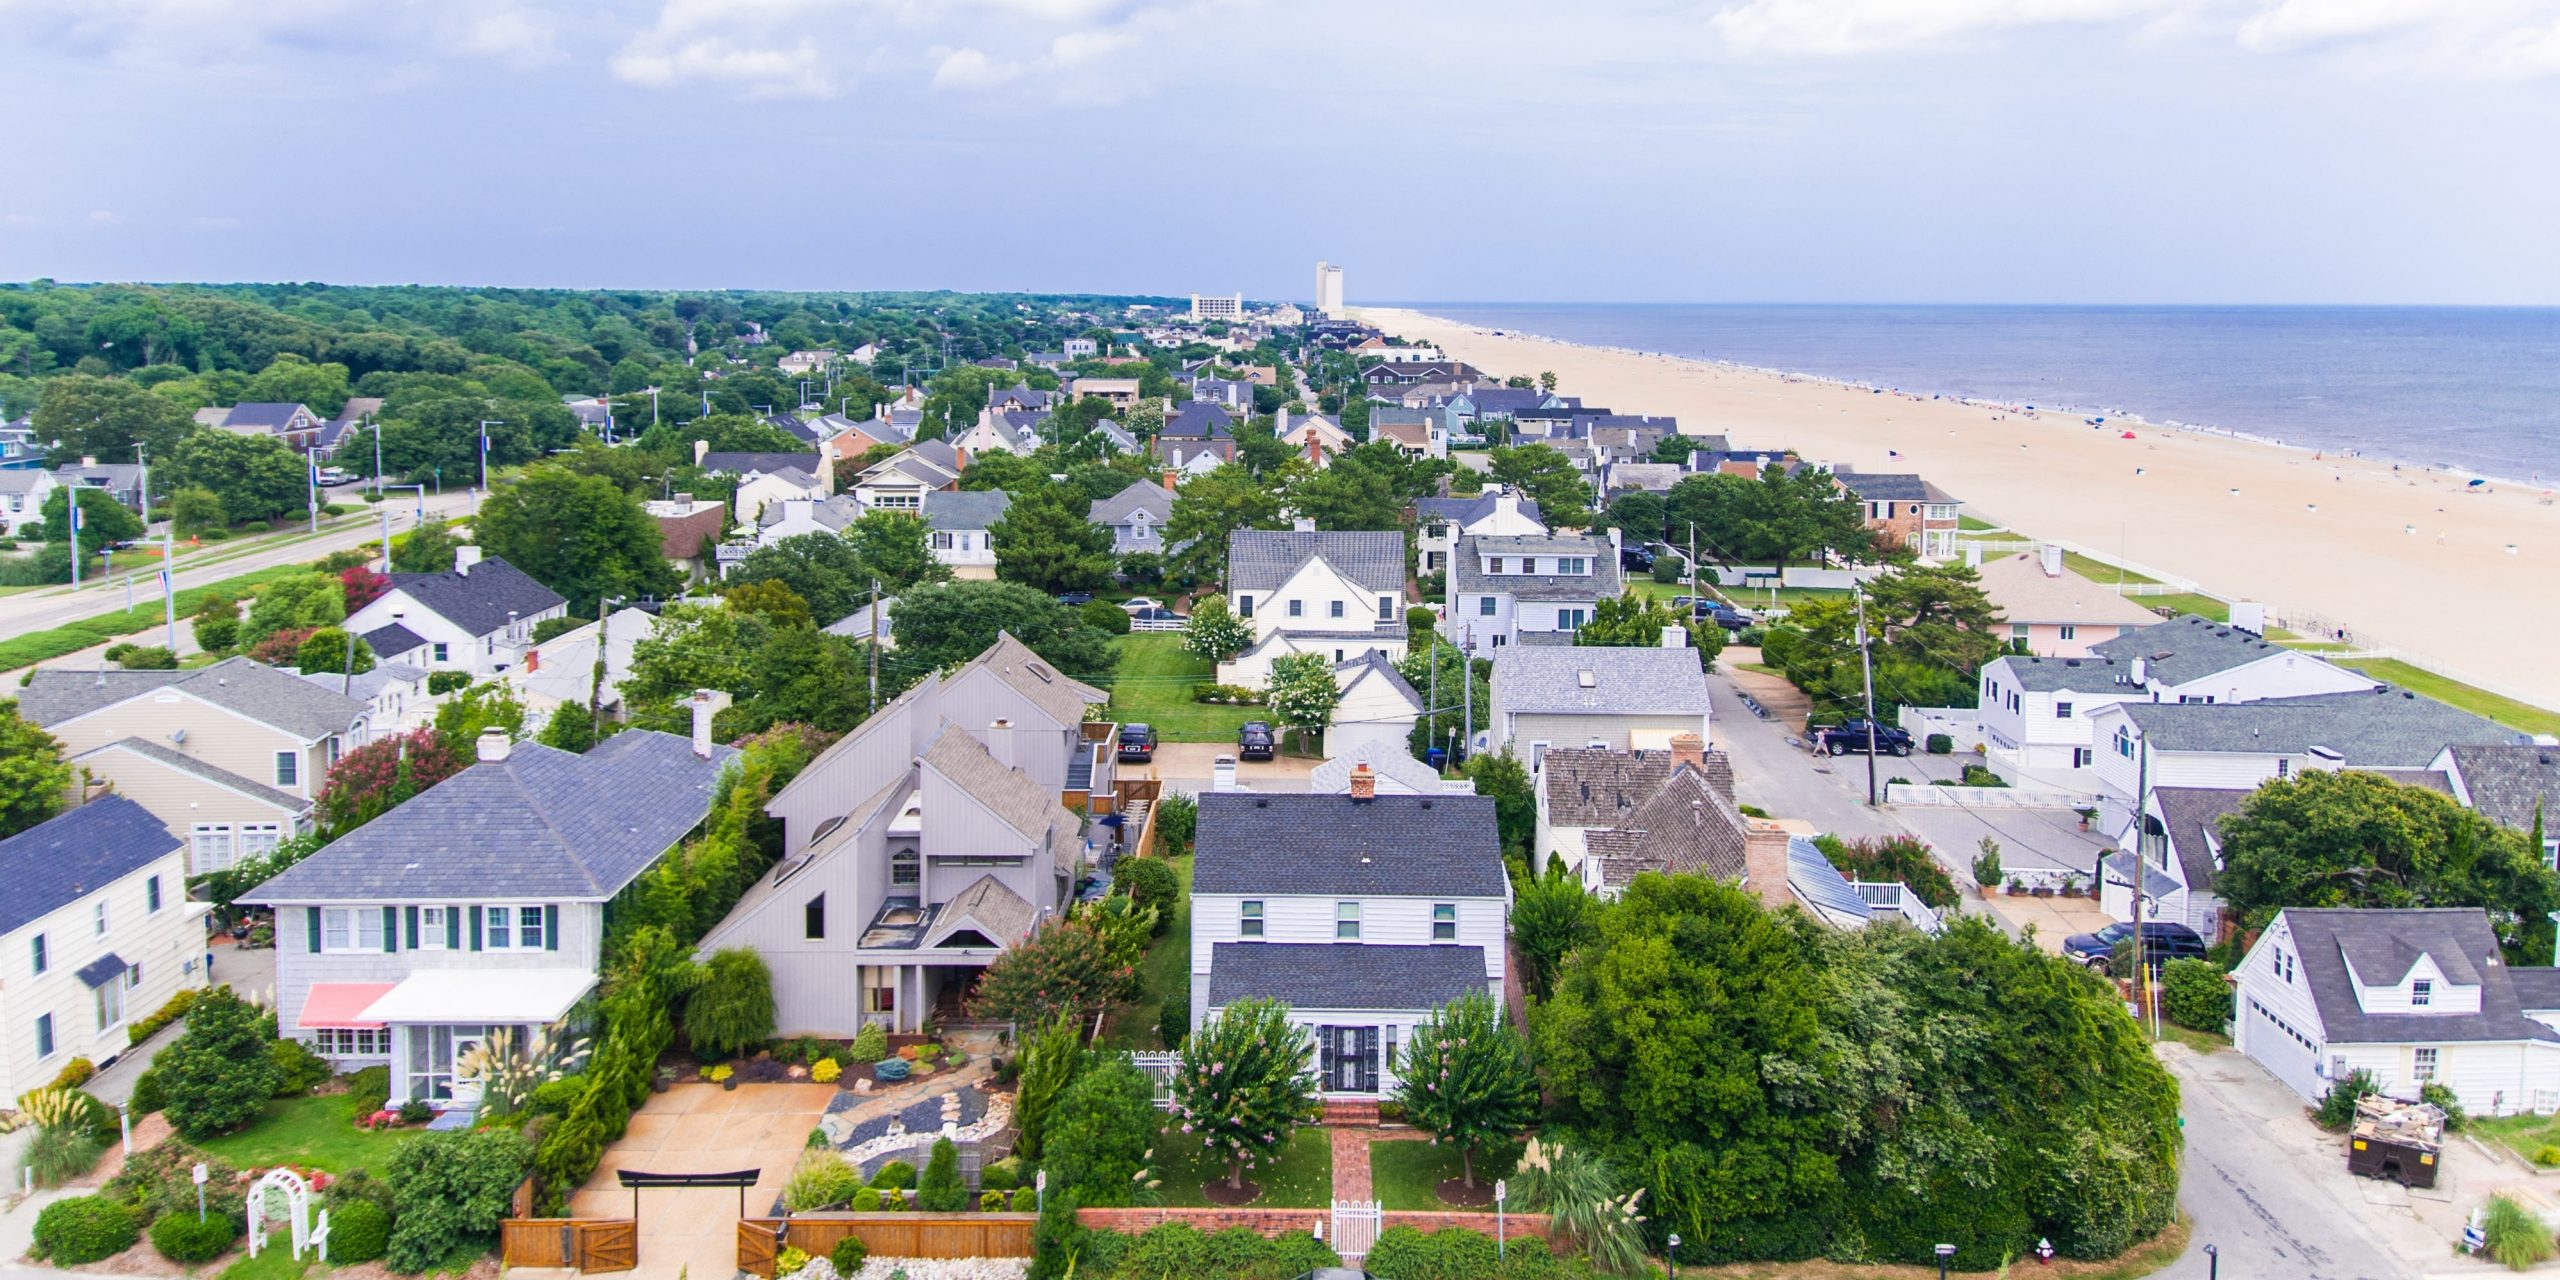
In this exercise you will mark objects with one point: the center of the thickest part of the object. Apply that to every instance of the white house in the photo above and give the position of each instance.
(765, 479)
(1338, 594)
(899, 483)
(1311, 436)
(2193, 659)
(394, 693)
(960, 520)
(2054, 612)
(1386, 908)
(2415, 997)
(1377, 706)
(793, 517)
(562, 670)
(1617, 699)
(96, 932)
(1506, 590)
(1136, 517)
(22, 494)
(1496, 512)
(1000, 431)
(479, 617)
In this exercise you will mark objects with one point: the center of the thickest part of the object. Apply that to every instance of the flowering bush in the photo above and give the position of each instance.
(1242, 1084)
(1065, 967)
(371, 779)
(384, 1119)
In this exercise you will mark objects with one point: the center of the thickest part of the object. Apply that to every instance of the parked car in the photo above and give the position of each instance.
(1852, 737)
(2162, 942)
(338, 476)
(1636, 558)
(1075, 597)
(1137, 742)
(1135, 604)
(1254, 741)
(1720, 613)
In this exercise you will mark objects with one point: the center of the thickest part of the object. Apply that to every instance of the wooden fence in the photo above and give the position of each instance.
(582, 1244)
(888, 1235)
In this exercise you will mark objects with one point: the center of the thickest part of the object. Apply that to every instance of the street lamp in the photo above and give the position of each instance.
(1671, 1257)
(2212, 1262)
(1945, 1251)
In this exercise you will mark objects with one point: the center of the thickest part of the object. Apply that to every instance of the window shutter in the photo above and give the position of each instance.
(1324, 1058)
(391, 928)
(413, 928)
(475, 928)
(453, 928)
(311, 927)
(551, 927)
(1368, 1059)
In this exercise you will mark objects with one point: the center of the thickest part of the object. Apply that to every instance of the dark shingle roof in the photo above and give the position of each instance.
(1262, 559)
(2383, 944)
(2192, 814)
(2188, 648)
(1466, 511)
(1467, 561)
(480, 600)
(766, 463)
(965, 508)
(251, 689)
(59, 861)
(1686, 827)
(2057, 675)
(266, 416)
(2506, 783)
(1412, 846)
(539, 824)
(1196, 420)
(1326, 975)
(1874, 487)
(1146, 495)
(2384, 728)
(1624, 681)
(1597, 787)
(394, 639)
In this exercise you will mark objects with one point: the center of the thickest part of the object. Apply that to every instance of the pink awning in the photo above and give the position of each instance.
(341, 1004)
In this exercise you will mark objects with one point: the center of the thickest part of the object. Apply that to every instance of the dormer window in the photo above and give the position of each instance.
(2422, 993)
(1493, 564)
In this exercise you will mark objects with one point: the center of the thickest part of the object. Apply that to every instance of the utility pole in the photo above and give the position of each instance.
(485, 424)
(2142, 805)
(875, 647)
(168, 547)
(311, 488)
(1434, 702)
(1467, 682)
(376, 424)
(1867, 669)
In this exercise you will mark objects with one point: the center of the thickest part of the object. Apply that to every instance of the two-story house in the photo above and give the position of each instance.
(1617, 699)
(480, 904)
(1496, 512)
(1014, 431)
(2413, 996)
(765, 479)
(95, 932)
(1311, 436)
(1136, 517)
(229, 756)
(479, 617)
(1907, 510)
(22, 494)
(119, 480)
(294, 424)
(1338, 594)
(1121, 393)
(1385, 908)
(960, 520)
(1196, 436)
(1504, 587)
(2054, 612)
(899, 482)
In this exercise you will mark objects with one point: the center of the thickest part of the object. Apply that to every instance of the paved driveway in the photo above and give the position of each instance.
(1784, 779)
(701, 1128)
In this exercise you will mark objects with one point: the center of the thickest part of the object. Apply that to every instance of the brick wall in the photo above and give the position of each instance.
(1272, 1222)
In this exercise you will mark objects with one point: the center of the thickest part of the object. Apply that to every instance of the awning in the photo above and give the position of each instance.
(103, 970)
(477, 997)
(341, 1005)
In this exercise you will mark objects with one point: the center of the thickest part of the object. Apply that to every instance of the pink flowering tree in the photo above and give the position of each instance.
(1466, 1078)
(1244, 1085)
(1063, 969)
(372, 779)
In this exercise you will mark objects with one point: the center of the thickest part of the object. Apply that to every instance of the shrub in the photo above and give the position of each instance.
(867, 1200)
(1173, 1021)
(826, 1071)
(83, 1229)
(2193, 994)
(848, 1256)
(1669, 570)
(218, 1075)
(870, 1044)
(1151, 882)
(1104, 616)
(990, 1202)
(147, 1097)
(1403, 1253)
(444, 682)
(2547, 1156)
(298, 1069)
(2442, 1098)
(415, 1111)
(891, 1070)
(1986, 865)
(2338, 1107)
(820, 1179)
(57, 1154)
(555, 1097)
(1026, 1200)
(2516, 1238)
(790, 1261)
(182, 1237)
(450, 1190)
(1002, 1175)
(359, 1230)
(157, 1181)
(941, 1191)
(1939, 744)
(1979, 776)
(173, 1009)
(897, 1175)
(370, 1088)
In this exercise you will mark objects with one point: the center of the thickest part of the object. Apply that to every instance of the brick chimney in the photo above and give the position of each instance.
(1364, 783)
(1689, 749)
(1764, 863)
(1171, 476)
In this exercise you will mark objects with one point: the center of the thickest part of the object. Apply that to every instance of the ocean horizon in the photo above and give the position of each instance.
(2474, 389)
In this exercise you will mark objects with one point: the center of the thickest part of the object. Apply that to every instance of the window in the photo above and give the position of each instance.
(2062, 711)
(1493, 564)
(2070, 632)
(212, 841)
(1297, 608)
(2124, 744)
(2423, 1064)
(109, 1000)
(941, 542)
(38, 946)
(1390, 1059)
(2018, 631)
(357, 929)
(352, 1042)
(2422, 993)
(1244, 606)
(257, 839)
(528, 925)
(1333, 609)
(903, 867)
(44, 1035)
(2284, 768)
(1386, 608)
(288, 769)
(2081, 757)
(132, 976)
(813, 919)
(1572, 619)
(151, 894)
(1574, 565)
(1484, 606)
(1346, 921)
(98, 917)
(441, 652)
(1444, 922)
(432, 928)
(1249, 919)
(497, 929)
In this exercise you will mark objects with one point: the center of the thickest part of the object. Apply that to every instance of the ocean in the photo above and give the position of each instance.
(2476, 389)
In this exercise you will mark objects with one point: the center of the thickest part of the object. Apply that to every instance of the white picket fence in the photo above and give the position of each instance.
(1355, 1227)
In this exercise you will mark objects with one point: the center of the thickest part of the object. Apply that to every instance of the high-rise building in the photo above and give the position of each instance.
(1230, 307)
(1328, 290)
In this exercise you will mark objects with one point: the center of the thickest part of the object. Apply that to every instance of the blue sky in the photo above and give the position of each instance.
(1763, 150)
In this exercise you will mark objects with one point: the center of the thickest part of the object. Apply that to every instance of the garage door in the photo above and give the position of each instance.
(2278, 1047)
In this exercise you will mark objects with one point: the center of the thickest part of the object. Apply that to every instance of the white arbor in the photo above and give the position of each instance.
(285, 1185)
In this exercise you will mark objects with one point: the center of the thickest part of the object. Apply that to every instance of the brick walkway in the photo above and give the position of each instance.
(1350, 1163)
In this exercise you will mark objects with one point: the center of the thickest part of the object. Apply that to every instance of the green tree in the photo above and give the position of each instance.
(218, 1075)
(1207, 508)
(1044, 541)
(475, 711)
(949, 623)
(1500, 775)
(1639, 514)
(450, 1190)
(732, 1007)
(1242, 1085)
(896, 549)
(302, 602)
(256, 477)
(1362, 489)
(777, 604)
(1064, 968)
(578, 535)
(1052, 1054)
(103, 520)
(34, 778)
(1303, 693)
(292, 379)
(1937, 616)
(1627, 621)
(193, 510)
(1465, 1077)
(331, 649)
(1779, 518)
(425, 549)
(1550, 916)
(940, 1189)
(217, 624)
(1102, 1134)
(1215, 634)
(104, 418)
(1542, 473)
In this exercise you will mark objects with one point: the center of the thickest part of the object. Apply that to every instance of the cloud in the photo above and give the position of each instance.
(972, 69)
(105, 218)
(791, 71)
(257, 36)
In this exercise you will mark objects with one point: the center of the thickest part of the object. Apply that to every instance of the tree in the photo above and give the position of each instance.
(194, 510)
(1938, 616)
(303, 602)
(940, 1189)
(732, 1007)
(332, 650)
(1500, 775)
(1063, 968)
(1242, 1085)
(256, 477)
(1627, 621)
(103, 520)
(292, 379)
(382, 775)
(425, 549)
(1044, 541)
(103, 418)
(777, 604)
(1779, 518)
(579, 535)
(895, 548)
(1676, 449)
(217, 624)
(1102, 1133)
(1303, 693)
(1215, 634)
(1358, 491)
(361, 585)
(946, 624)
(1207, 508)
(475, 711)
(1550, 916)
(218, 1076)
(1465, 1077)
(1052, 1054)
(34, 778)
(1549, 477)
(1639, 514)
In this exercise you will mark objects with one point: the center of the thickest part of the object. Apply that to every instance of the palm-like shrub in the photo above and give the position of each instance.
(821, 1179)
(1242, 1087)
(1575, 1188)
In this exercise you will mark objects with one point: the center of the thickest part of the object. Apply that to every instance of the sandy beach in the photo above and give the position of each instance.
(2408, 559)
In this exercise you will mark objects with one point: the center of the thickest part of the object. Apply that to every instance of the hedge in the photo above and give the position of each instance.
(359, 1230)
(175, 1009)
(183, 1237)
(83, 1229)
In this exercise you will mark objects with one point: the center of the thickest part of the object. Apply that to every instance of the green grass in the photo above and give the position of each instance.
(2097, 572)
(1152, 685)
(1303, 1179)
(316, 1131)
(2479, 702)
(2202, 606)
(2523, 1135)
(72, 637)
(1405, 1174)
(1969, 524)
(271, 1264)
(2200, 1041)
(1165, 970)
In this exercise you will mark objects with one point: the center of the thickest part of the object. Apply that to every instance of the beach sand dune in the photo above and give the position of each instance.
(2409, 559)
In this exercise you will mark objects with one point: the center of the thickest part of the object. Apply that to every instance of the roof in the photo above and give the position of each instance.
(2383, 944)
(1390, 762)
(2023, 592)
(948, 509)
(1597, 787)
(681, 537)
(767, 463)
(1061, 696)
(541, 823)
(2508, 783)
(862, 622)
(1007, 792)
(2188, 648)
(2156, 883)
(1344, 975)
(103, 970)
(1411, 846)
(1373, 665)
(1197, 420)
(2193, 817)
(1264, 559)
(1467, 561)
(987, 906)
(1624, 681)
(1144, 495)
(2062, 675)
(508, 995)
(1820, 884)
(1466, 511)
(1412, 433)
(482, 599)
(251, 689)
(2381, 728)
(391, 638)
(58, 861)
(1654, 477)
(1886, 487)
(266, 415)
(1686, 827)
(195, 768)
(367, 684)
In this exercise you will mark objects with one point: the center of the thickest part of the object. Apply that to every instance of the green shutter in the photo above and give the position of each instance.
(453, 928)
(475, 928)
(413, 928)
(391, 928)
(551, 928)
(311, 926)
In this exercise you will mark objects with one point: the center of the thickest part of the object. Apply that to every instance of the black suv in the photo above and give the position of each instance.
(2162, 941)
(1254, 741)
(1720, 613)
(1137, 742)
(1851, 738)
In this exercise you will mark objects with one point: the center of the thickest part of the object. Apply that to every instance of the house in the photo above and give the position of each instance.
(394, 694)
(854, 437)
(1907, 510)
(1336, 594)
(1014, 431)
(1619, 699)
(2053, 612)
(1386, 908)
(689, 531)
(1080, 349)
(1406, 373)
(1441, 521)
(1377, 706)
(1312, 436)
(1390, 769)
(479, 617)
(2516, 785)
(2180, 847)
(2415, 996)
(478, 905)
(767, 478)
(1122, 393)
(1194, 434)
(360, 410)
(294, 424)
(1412, 439)
(872, 620)
(22, 494)
(1581, 790)
(899, 482)
(97, 933)
(119, 480)
(1507, 589)
(804, 362)
(2194, 659)
(223, 817)
(561, 671)
(1640, 477)
(1136, 517)
(18, 447)
(246, 729)
(960, 520)
(793, 517)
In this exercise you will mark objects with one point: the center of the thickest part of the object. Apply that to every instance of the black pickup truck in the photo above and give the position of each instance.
(1851, 738)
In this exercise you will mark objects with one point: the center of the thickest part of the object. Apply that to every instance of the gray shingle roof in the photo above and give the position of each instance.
(765, 463)
(481, 600)
(1686, 827)
(965, 508)
(1145, 495)
(2187, 649)
(251, 689)
(1467, 561)
(1262, 559)
(196, 768)
(59, 861)
(2386, 943)
(370, 683)
(2192, 814)
(1326, 975)
(2056, 675)
(541, 824)
(266, 416)
(1197, 420)
(1875, 487)
(1410, 846)
(1062, 696)
(1624, 681)
(1597, 787)
(2384, 728)
(2506, 783)
(1374, 665)
(1008, 793)
(1466, 511)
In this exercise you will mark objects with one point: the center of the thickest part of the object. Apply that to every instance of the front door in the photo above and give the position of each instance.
(1350, 1059)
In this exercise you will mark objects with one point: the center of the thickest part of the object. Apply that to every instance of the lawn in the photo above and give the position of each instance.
(317, 1131)
(2523, 1135)
(1302, 1180)
(2205, 607)
(1404, 1174)
(273, 1264)
(72, 637)
(1970, 524)
(2479, 702)
(2200, 1041)
(1152, 685)
(2095, 571)
(1165, 971)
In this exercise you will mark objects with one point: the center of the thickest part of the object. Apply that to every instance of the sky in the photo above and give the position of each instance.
(2198, 151)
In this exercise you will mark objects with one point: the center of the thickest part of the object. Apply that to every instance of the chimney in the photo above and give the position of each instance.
(1689, 749)
(1280, 424)
(1764, 863)
(2052, 560)
(1000, 742)
(1315, 451)
(1364, 783)
(465, 556)
(88, 461)
(494, 746)
(701, 450)
(1170, 476)
(1304, 524)
(706, 704)
(1222, 774)
(1675, 636)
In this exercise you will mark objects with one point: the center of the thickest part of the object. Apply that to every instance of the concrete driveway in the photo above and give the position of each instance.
(1189, 767)
(702, 1128)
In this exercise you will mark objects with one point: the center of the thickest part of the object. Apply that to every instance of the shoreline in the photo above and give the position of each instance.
(2409, 557)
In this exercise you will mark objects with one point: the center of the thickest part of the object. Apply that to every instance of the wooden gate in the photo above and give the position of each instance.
(757, 1243)
(582, 1244)
(610, 1245)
